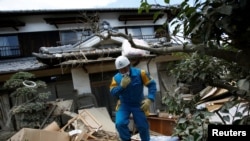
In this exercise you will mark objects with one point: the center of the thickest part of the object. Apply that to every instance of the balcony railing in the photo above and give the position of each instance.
(9, 51)
(149, 38)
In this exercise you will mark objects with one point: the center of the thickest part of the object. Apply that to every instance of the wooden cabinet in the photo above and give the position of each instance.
(164, 126)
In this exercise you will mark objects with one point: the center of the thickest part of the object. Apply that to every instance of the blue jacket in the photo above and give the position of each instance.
(133, 93)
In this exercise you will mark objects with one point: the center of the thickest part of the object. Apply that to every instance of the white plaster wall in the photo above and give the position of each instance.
(35, 23)
(32, 24)
(153, 72)
(81, 81)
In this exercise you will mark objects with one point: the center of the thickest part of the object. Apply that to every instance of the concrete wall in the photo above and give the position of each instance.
(81, 80)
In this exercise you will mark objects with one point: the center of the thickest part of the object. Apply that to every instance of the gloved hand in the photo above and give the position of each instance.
(118, 103)
(145, 106)
(125, 81)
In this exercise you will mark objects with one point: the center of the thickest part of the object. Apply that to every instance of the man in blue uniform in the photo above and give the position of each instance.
(128, 86)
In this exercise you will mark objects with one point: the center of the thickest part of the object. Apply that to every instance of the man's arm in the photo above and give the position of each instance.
(114, 88)
(149, 82)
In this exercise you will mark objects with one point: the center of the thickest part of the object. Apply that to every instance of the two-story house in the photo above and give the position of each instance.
(61, 48)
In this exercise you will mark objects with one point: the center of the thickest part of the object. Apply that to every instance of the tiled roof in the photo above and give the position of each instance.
(87, 45)
(21, 64)
(57, 54)
(89, 49)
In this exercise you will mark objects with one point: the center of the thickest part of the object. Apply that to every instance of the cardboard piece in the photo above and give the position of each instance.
(52, 127)
(29, 134)
(214, 107)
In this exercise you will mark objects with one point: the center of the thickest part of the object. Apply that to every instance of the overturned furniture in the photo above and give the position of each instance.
(90, 124)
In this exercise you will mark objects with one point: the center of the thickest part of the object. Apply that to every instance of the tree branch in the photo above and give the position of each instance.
(227, 55)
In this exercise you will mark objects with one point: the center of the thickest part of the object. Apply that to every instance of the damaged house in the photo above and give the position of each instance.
(68, 50)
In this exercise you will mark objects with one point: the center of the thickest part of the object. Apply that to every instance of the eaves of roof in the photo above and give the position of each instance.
(68, 11)
(20, 64)
(90, 55)
(74, 63)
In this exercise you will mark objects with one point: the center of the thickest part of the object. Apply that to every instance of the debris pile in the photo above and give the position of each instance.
(90, 124)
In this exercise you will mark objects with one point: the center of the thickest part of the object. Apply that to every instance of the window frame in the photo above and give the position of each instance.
(9, 46)
(78, 34)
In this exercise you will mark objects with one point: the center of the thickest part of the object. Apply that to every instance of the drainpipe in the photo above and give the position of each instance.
(148, 65)
(152, 107)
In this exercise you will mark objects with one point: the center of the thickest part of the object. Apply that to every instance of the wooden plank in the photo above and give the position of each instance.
(101, 114)
(210, 93)
(100, 67)
(163, 126)
(89, 120)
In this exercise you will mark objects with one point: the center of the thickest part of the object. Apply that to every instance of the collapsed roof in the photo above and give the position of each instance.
(96, 48)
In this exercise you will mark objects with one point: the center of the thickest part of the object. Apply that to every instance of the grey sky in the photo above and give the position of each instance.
(72, 4)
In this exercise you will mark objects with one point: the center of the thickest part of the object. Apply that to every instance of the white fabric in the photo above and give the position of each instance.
(127, 50)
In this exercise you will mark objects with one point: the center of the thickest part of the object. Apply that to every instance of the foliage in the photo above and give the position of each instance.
(216, 53)
(223, 22)
(217, 28)
(30, 104)
(193, 123)
(207, 68)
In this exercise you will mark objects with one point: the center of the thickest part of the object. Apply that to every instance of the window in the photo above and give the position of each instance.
(148, 33)
(147, 30)
(9, 46)
(121, 30)
(143, 32)
(135, 32)
(73, 36)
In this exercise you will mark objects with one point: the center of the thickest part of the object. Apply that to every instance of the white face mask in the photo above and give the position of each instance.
(126, 74)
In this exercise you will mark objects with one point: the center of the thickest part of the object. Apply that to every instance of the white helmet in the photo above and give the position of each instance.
(121, 62)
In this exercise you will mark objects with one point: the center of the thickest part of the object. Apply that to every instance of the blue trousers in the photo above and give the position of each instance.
(140, 120)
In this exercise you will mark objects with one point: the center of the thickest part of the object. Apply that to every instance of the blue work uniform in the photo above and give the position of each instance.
(131, 98)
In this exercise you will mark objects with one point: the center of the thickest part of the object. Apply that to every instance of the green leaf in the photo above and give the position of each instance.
(156, 15)
(166, 1)
(182, 120)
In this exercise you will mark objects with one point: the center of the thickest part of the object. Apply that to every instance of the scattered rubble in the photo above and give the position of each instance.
(89, 124)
